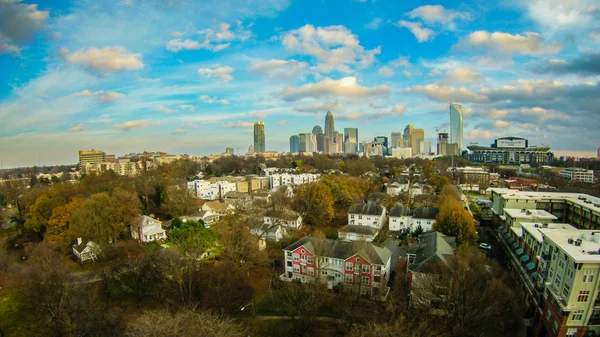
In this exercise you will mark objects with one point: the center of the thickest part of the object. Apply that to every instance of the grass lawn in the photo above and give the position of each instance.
(12, 320)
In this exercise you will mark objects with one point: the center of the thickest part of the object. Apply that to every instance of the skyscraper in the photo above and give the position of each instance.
(320, 142)
(329, 127)
(456, 124)
(351, 135)
(294, 144)
(317, 130)
(259, 137)
(417, 137)
(339, 142)
(396, 139)
(383, 140)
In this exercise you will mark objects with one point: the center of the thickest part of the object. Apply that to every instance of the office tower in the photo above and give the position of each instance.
(294, 144)
(311, 143)
(425, 147)
(303, 142)
(350, 147)
(229, 150)
(91, 157)
(599, 152)
(317, 130)
(412, 137)
(396, 139)
(251, 149)
(442, 141)
(339, 142)
(383, 140)
(351, 135)
(407, 132)
(320, 142)
(456, 124)
(326, 144)
(259, 137)
(329, 126)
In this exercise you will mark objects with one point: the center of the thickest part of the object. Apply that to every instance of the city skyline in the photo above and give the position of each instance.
(186, 83)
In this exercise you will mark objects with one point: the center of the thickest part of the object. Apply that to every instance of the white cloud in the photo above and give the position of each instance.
(374, 24)
(104, 60)
(211, 100)
(505, 43)
(18, 24)
(180, 131)
(281, 122)
(396, 111)
(557, 15)
(334, 47)
(130, 125)
(351, 116)
(78, 128)
(438, 14)
(239, 124)
(164, 109)
(463, 75)
(217, 72)
(258, 114)
(214, 39)
(422, 34)
(444, 93)
(280, 69)
(402, 61)
(101, 95)
(187, 107)
(386, 71)
(346, 86)
(319, 107)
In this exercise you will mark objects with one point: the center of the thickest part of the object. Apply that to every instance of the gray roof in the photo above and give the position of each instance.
(285, 214)
(358, 229)
(426, 212)
(369, 208)
(344, 249)
(142, 221)
(431, 248)
(400, 210)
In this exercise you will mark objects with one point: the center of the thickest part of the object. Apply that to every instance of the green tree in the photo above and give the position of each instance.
(454, 220)
(192, 237)
(346, 190)
(314, 202)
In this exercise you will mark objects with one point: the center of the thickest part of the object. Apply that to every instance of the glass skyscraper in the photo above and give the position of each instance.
(456, 124)
(295, 144)
(259, 137)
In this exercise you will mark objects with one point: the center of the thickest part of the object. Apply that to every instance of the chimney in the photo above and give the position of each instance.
(78, 241)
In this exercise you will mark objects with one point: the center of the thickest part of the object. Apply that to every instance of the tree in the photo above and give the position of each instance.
(191, 237)
(58, 230)
(438, 182)
(346, 190)
(475, 296)
(184, 323)
(454, 220)
(314, 202)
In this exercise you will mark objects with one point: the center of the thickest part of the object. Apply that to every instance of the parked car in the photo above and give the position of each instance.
(485, 246)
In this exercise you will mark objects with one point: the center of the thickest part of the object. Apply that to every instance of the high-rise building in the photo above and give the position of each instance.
(599, 152)
(444, 148)
(425, 147)
(251, 149)
(383, 140)
(329, 126)
(339, 142)
(456, 124)
(351, 135)
(259, 137)
(396, 138)
(317, 130)
(416, 137)
(229, 150)
(320, 142)
(91, 157)
(303, 141)
(308, 142)
(294, 144)
(350, 147)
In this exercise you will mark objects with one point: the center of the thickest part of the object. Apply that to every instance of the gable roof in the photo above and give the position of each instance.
(358, 229)
(285, 214)
(143, 221)
(426, 212)
(236, 195)
(399, 210)
(344, 249)
(216, 205)
(370, 208)
(84, 244)
(431, 248)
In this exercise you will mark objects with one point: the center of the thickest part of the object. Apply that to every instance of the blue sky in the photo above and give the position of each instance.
(191, 77)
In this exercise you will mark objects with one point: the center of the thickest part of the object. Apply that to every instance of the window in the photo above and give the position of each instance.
(349, 278)
(303, 252)
(577, 315)
(303, 269)
(296, 269)
(548, 314)
(561, 263)
(303, 257)
(311, 271)
(289, 263)
(324, 272)
(570, 273)
(310, 260)
(556, 325)
(550, 274)
(588, 276)
(296, 257)
(557, 280)
(566, 290)
(349, 266)
(366, 269)
(289, 254)
(583, 296)
(365, 280)
(360, 217)
(352, 216)
(571, 332)
(338, 274)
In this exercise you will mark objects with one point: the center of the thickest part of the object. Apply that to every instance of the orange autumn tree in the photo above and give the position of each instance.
(57, 230)
(454, 220)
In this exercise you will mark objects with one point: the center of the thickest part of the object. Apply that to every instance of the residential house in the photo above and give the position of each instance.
(86, 250)
(218, 208)
(273, 232)
(355, 267)
(364, 222)
(286, 218)
(357, 233)
(425, 217)
(238, 200)
(147, 229)
(400, 218)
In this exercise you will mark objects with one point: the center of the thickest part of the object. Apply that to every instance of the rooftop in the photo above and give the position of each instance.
(358, 229)
(344, 249)
(370, 208)
(529, 214)
(400, 210)
(533, 228)
(426, 212)
(580, 199)
(588, 251)
(431, 248)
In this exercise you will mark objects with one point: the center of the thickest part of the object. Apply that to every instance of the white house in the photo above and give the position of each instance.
(394, 188)
(399, 218)
(357, 233)
(287, 219)
(146, 229)
(207, 190)
(273, 233)
(86, 250)
(369, 215)
(424, 217)
(218, 208)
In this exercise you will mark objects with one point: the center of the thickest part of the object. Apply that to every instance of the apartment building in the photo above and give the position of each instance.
(578, 174)
(352, 266)
(204, 189)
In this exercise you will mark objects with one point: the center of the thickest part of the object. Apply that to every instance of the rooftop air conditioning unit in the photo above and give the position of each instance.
(578, 242)
(570, 241)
